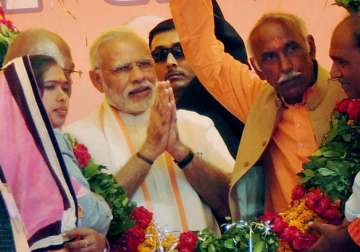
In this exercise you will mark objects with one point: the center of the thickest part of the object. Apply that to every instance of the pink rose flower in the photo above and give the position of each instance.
(298, 192)
(82, 155)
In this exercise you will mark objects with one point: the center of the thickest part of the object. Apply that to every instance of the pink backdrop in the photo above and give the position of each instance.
(80, 21)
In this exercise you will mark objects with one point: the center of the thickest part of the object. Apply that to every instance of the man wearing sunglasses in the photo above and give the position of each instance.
(171, 65)
(169, 60)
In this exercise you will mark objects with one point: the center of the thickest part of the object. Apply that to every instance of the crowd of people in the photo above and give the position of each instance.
(185, 126)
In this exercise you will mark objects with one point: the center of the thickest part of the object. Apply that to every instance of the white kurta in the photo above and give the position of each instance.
(352, 206)
(170, 195)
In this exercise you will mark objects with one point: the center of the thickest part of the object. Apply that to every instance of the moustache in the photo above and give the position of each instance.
(288, 76)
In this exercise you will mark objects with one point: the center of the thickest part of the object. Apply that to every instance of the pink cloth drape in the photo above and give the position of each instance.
(30, 160)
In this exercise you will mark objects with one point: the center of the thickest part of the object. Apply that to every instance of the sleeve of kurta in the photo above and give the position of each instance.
(354, 231)
(228, 80)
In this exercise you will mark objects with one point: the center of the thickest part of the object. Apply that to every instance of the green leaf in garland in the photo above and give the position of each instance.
(90, 170)
(326, 172)
(106, 186)
(229, 244)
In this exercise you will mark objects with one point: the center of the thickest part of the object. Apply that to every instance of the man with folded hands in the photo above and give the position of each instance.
(165, 159)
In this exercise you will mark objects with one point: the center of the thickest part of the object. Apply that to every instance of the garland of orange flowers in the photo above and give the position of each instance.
(326, 182)
(292, 226)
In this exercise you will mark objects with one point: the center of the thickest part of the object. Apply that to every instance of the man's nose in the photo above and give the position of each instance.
(137, 74)
(335, 72)
(171, 60)
(285, 64)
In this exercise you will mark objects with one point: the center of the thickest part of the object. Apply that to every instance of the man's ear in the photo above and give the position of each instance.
(96, 80)
(255, 66)
(311, 46)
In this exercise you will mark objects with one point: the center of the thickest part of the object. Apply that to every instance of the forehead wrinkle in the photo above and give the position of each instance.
(121, 52)
(266, 31)
(274, 36)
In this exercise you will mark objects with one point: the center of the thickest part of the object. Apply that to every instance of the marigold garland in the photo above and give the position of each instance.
(133, 229)
(326, 181)
(319, 199)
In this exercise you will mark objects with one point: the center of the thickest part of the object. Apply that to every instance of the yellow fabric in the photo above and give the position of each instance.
(255, 103)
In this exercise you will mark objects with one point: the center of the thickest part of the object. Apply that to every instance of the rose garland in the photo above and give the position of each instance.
(334, 166)
(8, 32)
(133, 229)
(326, 181)
(124, 211)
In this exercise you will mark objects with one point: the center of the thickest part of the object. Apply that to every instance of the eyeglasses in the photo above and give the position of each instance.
(143, 65)
(160, 54)
(72, 74)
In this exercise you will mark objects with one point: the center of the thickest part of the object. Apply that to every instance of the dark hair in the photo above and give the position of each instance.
(164, 26)
(223, 31)
(40, 64)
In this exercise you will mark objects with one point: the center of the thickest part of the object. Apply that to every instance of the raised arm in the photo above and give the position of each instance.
(229, 81)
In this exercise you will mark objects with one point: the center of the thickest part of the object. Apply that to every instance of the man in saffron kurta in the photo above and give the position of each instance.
(286, 116)
(165, 159)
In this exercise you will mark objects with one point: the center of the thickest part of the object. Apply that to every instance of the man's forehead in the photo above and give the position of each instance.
(275, 34)
(165, 39)
(342, 44)
(343, 36)
(118, 51)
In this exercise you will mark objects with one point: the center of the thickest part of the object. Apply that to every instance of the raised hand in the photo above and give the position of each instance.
(159, 123)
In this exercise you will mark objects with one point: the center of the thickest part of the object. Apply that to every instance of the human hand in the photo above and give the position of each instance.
(85, 240)
(174, 145)
(159, 123)
(332, 238)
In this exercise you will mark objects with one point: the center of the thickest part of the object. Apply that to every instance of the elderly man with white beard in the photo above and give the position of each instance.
(165, 159)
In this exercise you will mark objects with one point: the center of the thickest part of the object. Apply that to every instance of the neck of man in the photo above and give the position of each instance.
(178, 93)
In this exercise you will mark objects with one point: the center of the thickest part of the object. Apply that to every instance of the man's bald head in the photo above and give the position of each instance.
(43, 42)
(350, 26)
(345, 53)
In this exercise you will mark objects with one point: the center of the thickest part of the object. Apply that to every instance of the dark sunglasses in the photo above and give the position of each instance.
(160, 53)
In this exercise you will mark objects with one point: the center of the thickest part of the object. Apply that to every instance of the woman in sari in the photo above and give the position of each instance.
(95, 214)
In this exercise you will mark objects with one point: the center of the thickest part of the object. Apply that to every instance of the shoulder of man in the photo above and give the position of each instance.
(85, 124)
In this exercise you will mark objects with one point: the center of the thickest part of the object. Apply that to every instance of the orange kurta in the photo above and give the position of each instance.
(293, 142)
(237, 89)
(354, 231)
